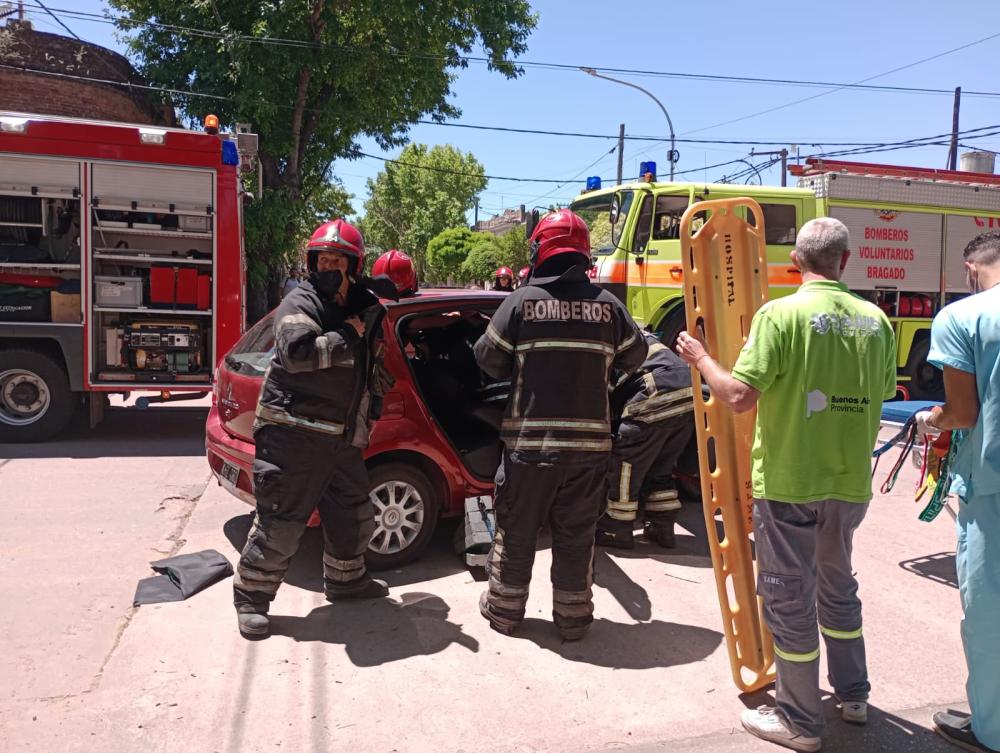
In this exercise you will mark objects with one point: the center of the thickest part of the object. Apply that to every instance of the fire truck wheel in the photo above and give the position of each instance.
(406, 513)
(926, 381)
(35, 399)
(672, 325)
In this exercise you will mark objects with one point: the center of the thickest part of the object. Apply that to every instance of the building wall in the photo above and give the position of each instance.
(37, 92)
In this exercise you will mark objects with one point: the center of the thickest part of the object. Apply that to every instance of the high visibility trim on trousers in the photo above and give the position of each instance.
(278, 416)
(498, 340)
(513, 424)
(662, 501)
(624, 510)
(581, 445)
(625, 481)
(565, 345)
(844, 635)
(799, 658)
(678, 398)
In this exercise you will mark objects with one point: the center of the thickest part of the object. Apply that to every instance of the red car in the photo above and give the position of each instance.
(437, 442)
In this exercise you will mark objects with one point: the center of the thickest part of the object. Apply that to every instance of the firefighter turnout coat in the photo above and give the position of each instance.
(324, 377)
(561, 341)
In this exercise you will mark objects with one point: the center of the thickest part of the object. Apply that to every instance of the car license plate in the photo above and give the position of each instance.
(229, 475)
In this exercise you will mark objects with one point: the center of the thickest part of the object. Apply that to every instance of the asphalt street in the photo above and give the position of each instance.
(82, 670)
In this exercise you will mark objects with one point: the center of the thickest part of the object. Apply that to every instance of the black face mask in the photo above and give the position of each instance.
(328, 283)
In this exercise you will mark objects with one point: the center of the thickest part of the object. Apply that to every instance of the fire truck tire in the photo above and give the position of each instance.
(672, 325)
(926, 381)
(35, 400)
(407, 508)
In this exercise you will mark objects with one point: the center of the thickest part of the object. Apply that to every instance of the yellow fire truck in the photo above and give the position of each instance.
(908, 229)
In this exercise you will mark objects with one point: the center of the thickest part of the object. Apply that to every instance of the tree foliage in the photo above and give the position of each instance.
(447, 250)
(424, 192)
(312, 76)
(507, 250)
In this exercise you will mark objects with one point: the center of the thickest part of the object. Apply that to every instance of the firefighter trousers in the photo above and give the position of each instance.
(804, 566)
(569, 498)
(977, 558)
(642, 467)
(296, 471)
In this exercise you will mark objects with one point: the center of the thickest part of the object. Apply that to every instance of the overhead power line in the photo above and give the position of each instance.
(125, 22)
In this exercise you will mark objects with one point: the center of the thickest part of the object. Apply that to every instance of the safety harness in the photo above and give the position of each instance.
(936, 459)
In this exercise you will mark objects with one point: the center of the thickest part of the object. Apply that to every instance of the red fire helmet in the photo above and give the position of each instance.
(522, 275)
(399, 268)
(560, 232)
(504, 272)
(337, 235)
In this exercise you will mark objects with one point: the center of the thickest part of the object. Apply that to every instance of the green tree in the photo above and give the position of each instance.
(424, 192)
(514, 248)
(311, 77)
(446, 252)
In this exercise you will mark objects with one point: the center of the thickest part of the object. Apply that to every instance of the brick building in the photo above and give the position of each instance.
(40, 90)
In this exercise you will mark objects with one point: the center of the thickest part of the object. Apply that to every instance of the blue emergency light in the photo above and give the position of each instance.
(230, 155)
(647, 167)
(594, 183)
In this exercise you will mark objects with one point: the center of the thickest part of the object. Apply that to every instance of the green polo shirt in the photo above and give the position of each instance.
(823, 360)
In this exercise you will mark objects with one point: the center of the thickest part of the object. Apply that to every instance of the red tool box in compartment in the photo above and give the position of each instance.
(179, 287)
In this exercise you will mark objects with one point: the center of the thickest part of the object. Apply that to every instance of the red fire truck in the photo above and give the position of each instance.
(121, 264)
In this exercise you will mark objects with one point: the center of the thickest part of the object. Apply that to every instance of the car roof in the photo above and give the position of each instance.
(438, 295)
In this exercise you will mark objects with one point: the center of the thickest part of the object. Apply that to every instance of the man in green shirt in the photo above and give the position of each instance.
(817, 364)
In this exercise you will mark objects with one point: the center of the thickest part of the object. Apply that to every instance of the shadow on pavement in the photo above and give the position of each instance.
(380, 631)
(167, 431)
(632, 597)
(939, 568)
(884, 731)
(306, 569)
(691, 550)
(619, 645)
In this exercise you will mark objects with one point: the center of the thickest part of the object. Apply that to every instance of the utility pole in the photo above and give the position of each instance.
(621, 152)
(783, 153)
(475, 223)
(953, 148)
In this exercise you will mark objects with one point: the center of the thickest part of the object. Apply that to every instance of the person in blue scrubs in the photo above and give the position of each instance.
(965, 344)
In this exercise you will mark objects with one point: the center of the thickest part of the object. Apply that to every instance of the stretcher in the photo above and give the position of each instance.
(931, 456)
(725, 265)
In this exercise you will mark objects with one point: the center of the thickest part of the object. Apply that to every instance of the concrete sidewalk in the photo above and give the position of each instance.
(422, 671)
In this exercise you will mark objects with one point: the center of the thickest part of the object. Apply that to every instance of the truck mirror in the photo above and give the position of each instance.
(616, 208)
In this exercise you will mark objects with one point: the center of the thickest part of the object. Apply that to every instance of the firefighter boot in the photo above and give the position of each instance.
(659, 527)
(365, 587)
(614, 533)
(253, 625)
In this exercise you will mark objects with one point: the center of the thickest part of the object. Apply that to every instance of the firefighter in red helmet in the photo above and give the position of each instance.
(557, 453)
(522, 275)
(503, 279)
(321, 394)
(399, 268)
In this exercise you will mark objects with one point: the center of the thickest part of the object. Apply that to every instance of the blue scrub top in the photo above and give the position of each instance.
(966, 335)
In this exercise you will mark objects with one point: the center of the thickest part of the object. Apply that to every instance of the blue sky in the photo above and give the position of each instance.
(843, 42)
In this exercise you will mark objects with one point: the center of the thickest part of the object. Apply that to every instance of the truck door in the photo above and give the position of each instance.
(642, 229)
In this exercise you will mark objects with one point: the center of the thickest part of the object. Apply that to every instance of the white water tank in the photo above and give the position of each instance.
(977, 162)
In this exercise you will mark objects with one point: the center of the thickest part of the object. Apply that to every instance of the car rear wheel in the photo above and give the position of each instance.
(406, 513)
(35, 399)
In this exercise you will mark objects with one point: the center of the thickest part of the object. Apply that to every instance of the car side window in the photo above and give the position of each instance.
(779, 224)
(667, 223)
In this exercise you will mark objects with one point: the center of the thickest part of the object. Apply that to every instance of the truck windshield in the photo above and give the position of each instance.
(596, 212)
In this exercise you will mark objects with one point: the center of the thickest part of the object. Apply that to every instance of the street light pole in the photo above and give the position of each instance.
(673, 150)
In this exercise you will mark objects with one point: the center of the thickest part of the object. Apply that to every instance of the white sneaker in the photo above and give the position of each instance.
(766, 723)
(855, 712)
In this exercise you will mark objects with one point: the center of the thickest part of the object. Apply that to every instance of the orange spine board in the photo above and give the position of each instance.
(725, 271)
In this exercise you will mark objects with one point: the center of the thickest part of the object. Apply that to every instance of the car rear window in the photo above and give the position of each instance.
(253, 351)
